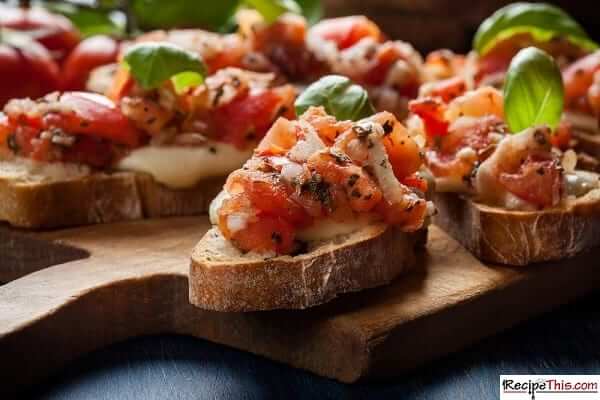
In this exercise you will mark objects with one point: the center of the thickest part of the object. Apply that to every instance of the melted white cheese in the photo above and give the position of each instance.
(183, 167)
(327, 229)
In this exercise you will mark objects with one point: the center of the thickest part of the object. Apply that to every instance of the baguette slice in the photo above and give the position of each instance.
(224, 279)
(519, 238)
(97, 198)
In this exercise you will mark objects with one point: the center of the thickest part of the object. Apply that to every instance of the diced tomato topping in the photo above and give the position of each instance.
(403, 152)
(537, 181)
(347, 31)
(5, 130)
(561, 138)
(247, 118)
(416, 181)
(274, 199)
(94, 115)
(284, 45)
(121, 85)
(90, 151)
(267, 234)
(431, 112)
(385, 57)
(281, 137)
(448, 89)
(409, 217)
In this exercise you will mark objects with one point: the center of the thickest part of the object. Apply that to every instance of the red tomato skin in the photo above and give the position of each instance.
(347, 31)
(55, 32)
(431, 111)
(537, 181)
(449, 89)
(29, 72)
(269, 233)
(90, 151)
(94, 115)
(88, 55)
(252, 114)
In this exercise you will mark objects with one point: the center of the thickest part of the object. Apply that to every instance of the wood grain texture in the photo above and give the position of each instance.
(135, 283)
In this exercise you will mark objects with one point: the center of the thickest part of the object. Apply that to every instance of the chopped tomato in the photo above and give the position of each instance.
(267, 234)
(448, 89)
(347, 31)
(281, 137)
(93, 115)
(385, 57)
(416, 181)
(248, 118)
(5, 130)
(90, 151)
(537, 181)
(22, 141)
(89, 54)
(283, 44)
(363, 193)
(269, 196)
(409, 216)
(431, 111)
(403, 152)
(121, 85)
(561, 138)
(232, 55)
(579, 77)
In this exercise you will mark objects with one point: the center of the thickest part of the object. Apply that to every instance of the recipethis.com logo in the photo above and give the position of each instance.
(556, 387)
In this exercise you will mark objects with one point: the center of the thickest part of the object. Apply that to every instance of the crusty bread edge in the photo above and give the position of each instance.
(99, 198)
(223, 279)
(520, 238)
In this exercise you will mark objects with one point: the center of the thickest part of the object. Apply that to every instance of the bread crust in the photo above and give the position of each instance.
(520, 238)
(223, 279)
(98, 198)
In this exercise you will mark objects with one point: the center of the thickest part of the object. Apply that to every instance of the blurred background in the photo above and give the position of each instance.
(427, 24)
(431, 24)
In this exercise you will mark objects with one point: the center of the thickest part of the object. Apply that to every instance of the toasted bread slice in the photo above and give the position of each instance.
(36, 202)
(518, 238)
(224, 279)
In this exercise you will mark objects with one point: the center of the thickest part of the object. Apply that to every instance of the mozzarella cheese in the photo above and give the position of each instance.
(328, 229)
(183, 167)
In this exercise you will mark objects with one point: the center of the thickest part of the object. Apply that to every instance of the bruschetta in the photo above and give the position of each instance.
(508, 197)
(298, 54)
(324, 207)
(81, 158)
(582, 95)
(499, 38)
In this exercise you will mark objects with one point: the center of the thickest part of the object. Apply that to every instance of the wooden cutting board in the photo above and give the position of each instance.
(123, 280)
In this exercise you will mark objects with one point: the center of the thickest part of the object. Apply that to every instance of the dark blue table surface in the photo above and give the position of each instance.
(566, 340)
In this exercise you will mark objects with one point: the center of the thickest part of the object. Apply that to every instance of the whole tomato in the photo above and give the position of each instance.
(53, 31)
(89, 54)
(26, 68)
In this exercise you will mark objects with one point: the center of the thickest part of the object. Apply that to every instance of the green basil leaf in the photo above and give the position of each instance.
(340, 97)
(533, 91)
(90, 21)
(161, 14)
(543, 21)
(152, 64)
(185, 80)
(272, 9)
(312, 10)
